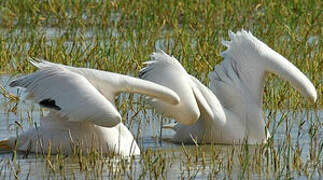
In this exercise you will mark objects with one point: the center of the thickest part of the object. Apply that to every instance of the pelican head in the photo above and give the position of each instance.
(256, 57)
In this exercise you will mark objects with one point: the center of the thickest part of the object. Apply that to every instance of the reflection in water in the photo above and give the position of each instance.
(296, 138)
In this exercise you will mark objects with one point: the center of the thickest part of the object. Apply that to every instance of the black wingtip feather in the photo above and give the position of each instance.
(13, 83)
(49, 103)
(143, 72)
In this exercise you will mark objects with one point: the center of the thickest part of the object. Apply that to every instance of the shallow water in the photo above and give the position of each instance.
(146, 127)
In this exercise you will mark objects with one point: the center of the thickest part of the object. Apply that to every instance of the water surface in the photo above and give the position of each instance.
(205, 161)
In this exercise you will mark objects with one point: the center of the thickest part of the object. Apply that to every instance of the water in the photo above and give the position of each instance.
(206, 161)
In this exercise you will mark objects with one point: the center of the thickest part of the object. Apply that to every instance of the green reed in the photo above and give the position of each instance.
(119, 36)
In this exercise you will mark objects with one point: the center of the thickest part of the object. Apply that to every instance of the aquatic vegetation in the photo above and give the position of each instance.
(119, 36)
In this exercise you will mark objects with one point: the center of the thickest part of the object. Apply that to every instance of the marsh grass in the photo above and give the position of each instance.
(118, 36)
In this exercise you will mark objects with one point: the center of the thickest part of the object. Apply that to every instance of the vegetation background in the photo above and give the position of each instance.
(119, 36)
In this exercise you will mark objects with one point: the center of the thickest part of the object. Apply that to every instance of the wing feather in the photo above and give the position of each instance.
(208, 101)
(166, 70)
(70, 94)
(111, 84)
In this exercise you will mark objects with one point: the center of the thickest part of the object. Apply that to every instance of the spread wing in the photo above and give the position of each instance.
(208, 101)
(167, 71)
(83, 94)
(111, 84)
(70, 94)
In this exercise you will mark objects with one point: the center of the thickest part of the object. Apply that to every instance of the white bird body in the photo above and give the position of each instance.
(63, 136)
(231, 110)
(81, 109)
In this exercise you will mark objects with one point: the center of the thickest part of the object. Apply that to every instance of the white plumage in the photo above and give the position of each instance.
(82, 111)
(231, 110)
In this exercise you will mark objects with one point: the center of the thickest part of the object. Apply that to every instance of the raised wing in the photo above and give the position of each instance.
(208, 101)
(111, 84)
(167, 71)
(70, 94)
(246, 62)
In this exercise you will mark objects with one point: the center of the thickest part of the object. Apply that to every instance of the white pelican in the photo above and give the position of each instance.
(231, 112)
(81, 109)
